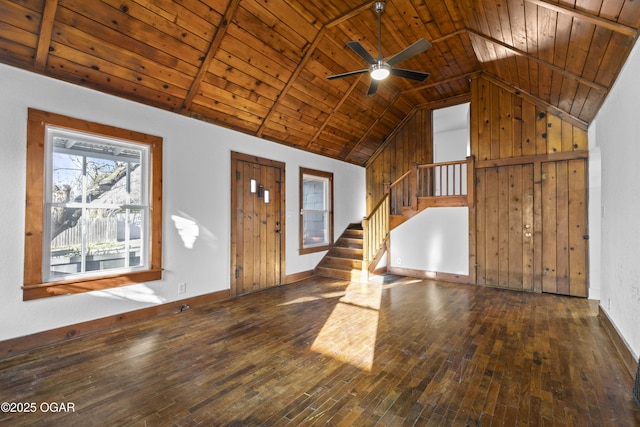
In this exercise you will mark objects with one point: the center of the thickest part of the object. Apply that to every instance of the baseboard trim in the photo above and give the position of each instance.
(296, 277)
(425, 274)
(628, 358)
(31, 342)
(380, 271)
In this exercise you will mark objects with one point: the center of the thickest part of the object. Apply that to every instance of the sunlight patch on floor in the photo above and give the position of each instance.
(326, 295)
(350, 332)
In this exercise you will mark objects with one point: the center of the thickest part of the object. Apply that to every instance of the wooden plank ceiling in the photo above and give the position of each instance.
(260, 66)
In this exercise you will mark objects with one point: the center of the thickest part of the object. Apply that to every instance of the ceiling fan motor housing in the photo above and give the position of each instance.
(379, 69)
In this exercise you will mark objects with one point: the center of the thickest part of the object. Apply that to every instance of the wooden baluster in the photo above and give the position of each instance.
(454, 189)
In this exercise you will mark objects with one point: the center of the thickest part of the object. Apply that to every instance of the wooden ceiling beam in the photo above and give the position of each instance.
(302, 64)
(44, 38)
(213, 48)
(596, 20)
(586, 82)
(441, 82)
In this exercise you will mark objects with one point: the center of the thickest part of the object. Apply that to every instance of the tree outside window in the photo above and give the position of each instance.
(94, 217)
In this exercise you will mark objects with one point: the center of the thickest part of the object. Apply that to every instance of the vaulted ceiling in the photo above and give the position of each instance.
(261, 66)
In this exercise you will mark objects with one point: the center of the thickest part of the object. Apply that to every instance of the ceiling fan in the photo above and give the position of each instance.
(379, 69)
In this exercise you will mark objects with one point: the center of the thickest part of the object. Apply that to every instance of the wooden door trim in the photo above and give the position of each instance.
(236, 156)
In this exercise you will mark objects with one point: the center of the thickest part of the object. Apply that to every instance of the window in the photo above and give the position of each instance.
(316, 210)
(94, 206)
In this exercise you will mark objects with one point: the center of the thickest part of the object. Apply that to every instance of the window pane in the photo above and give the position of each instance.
(315, 228)
(102, 240)
(314, 191)
(66, 177)
(66, 245)
(112, 168)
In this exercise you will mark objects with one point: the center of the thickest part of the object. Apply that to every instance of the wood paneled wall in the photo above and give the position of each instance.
(529, 228)
(410, 144)
(533, 224)
(506, 124)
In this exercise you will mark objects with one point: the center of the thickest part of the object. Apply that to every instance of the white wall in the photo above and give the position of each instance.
(617, 135)
(595, 215)
(437, 239)
(196, 184)
(443, 242)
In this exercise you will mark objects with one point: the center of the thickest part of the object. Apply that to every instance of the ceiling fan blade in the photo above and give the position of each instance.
(373, 87)
(364, 53)
(350, 73)
(412, 50)
(409, 74)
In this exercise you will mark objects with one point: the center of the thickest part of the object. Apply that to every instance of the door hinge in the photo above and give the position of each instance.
(238, 175)
(237, 272)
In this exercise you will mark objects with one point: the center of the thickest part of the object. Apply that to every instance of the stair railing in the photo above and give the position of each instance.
(375, 229)
(449, 182)
(441, 184)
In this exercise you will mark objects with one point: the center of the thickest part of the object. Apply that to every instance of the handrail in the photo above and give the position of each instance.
(452, 182)
(402, 177)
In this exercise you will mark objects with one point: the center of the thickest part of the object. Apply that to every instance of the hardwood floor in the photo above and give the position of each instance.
(326, 352)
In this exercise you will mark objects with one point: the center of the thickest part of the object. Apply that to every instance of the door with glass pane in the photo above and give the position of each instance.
(257, 226)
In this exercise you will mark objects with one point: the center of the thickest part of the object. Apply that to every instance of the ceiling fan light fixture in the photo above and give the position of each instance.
(380, 71)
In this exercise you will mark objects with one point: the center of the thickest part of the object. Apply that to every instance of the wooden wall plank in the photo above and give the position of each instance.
(562, 228)
(528, 209)
(516, 226)
(506, 124)
(541, 131)
(481, 226)
(492, 237)
(578, 230)
(567, 137)
(517, 138)
(504, 261)
(494, 117)
(554, 134)
(549, 215)
(528, 135)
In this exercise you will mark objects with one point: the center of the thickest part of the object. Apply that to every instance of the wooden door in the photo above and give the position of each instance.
(504, 226)
(257, 224)
(564, 227)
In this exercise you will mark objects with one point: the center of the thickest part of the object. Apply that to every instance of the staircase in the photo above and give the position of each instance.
(344, 259)
(357, 252)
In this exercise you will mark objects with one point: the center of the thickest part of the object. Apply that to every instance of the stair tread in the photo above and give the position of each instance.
(338, 268)
(353, 257)
(344, 260)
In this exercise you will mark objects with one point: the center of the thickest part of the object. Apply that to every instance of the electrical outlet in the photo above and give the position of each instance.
(398, 261)
(182, 287)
